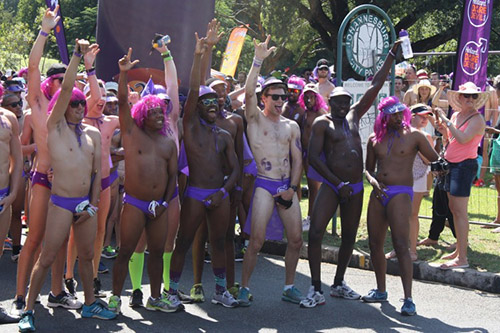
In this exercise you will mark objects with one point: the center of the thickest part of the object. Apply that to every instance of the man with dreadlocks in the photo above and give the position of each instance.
(391, 150)
(151, 164)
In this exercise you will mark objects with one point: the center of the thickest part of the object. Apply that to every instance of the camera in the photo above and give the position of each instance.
(440, 165)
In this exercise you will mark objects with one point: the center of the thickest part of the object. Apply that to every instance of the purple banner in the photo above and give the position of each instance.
(131, 23)
(472, 53)
(59, 32)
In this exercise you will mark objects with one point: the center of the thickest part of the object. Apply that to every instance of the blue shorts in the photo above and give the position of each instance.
(459, 180)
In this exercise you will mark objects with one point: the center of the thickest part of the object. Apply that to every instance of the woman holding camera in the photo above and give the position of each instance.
(461, 134)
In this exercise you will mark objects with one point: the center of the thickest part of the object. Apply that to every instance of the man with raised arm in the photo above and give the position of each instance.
(209, 150)
(335, 153)
(74, 150)
(151, 164)
(275, 143)
(39, 97)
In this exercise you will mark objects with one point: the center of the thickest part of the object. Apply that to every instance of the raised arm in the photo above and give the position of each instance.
(194, 81)
(366, 101)
(57, 113)
(171, 81)
(436, 99)
(261, 53)
(49, 21)
(213, 37)
(88, 60)
(125, 64)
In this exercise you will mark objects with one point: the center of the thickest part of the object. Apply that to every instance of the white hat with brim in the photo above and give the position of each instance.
(467, 88)
(310, 87)
(422, 84)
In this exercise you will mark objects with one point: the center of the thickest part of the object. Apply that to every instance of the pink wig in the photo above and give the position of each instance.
(320, 102)
(22, 71)
(46, 85)
(295, 82)
(141, 108)
(389, 103)
(1, 91)
(76, 95)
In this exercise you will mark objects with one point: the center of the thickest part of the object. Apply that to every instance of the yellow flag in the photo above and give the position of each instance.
(233, 51)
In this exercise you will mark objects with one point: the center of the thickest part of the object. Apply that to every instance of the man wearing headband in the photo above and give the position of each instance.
(210, 152)
(111, 107)
(336, 160)
(292, 110)
(39, 96)
(322, 74)
(151, 167)
(391, 150)
(75, 154)
(275, 143)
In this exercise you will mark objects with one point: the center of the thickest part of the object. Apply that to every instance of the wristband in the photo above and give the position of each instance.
(91, 71)
(223, 190)
(164, 204)
(257, 62)
(166, 55)
(392, 54)
(43, 33)
(488, 122)
(238, 188)
(77, 54)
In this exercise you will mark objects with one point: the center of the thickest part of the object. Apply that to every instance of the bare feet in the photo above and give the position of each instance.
(450, 256)
(490, 226)
(390, 255)
(427, 242)
(413, 256)
(496, 230)
(455, 263)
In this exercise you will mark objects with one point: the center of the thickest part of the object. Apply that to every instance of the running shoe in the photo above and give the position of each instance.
(71, 286)
(109, 252)
(64, 300)
(313, 299)
(225, 299)
(234, 290)
(161, 304)
(27, 322)
(183, 297)
(197, 293)
(243, 297)
(306, 224)
(375, 296)
(240, 254)
(6, 318)
(115, 303)
(102, 268)
(135, 300)
(208, 258)
(16, 253)
(174, 301)
(408, 308)
(292, 295)
(98, 310)
(344, 291)
(97, 289)
(17, 308)
(7, 245)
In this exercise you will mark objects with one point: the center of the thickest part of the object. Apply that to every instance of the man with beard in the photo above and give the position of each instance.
(292, 110)
(275, 142)
(335, 153)
(323, 74)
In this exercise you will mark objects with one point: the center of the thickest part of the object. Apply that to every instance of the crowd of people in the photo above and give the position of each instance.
(84, 159)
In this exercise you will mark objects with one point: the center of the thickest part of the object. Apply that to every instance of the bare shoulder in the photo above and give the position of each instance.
(236, 118)
(225, 134)
(91, 131)
(8, 114)
(289, 123)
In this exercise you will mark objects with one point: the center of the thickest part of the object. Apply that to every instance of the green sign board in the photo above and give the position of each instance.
(366, 39)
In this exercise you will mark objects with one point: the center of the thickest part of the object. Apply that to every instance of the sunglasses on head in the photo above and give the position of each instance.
(74, 104)
(294, 91)
(209, 101)
(474, 96)
(275, 97)
(16, 104)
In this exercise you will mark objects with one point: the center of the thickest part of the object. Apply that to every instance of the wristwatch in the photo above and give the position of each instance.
(342, 184)
(294, 187)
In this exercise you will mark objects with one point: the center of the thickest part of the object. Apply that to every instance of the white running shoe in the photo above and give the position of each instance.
(306, 224)
(344, 291)
(313, 299)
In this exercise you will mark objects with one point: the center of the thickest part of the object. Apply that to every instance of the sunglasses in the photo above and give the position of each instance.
(275, 97)
(209, 101)
(474, 96)
(16, 104)
(294, 91)
(323, 69)
(74, 104)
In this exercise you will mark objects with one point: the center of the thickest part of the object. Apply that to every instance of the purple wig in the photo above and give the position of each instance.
(320, 102)
(76, 95)
(295, 82)
(141, 108)
(389, 103)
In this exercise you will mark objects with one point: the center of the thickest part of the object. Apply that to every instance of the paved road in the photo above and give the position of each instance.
(440, 308)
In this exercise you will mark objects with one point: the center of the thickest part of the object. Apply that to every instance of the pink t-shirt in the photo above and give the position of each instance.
(457, 152)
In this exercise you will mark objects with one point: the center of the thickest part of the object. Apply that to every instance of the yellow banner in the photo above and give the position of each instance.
(233, 51)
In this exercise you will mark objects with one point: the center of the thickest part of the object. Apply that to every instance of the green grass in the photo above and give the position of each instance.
(484, 245)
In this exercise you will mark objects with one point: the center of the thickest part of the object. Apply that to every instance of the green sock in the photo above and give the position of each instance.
(167, 257)
(135, 268)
